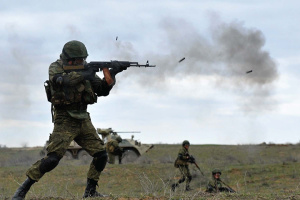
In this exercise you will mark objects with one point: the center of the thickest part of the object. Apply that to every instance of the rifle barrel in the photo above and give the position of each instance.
(136, 64)
(228, 186)
(127, 131)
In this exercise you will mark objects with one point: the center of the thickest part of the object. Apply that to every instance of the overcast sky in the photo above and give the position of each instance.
(208, 98)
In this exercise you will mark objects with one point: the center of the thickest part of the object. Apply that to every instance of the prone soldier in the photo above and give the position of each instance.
(216, 184)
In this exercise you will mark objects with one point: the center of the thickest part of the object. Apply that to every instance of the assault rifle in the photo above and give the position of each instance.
(116, 132)
(105, 66)
(229, 188)
(193, 161)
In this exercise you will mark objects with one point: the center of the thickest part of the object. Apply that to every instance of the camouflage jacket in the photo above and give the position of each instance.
(75, 96)
(113, 147)
(182, 158)
(214, 185)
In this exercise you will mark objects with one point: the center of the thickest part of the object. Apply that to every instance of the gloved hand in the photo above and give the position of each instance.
(192, 159)
(88, 74)
(60, 80)
(116, 68)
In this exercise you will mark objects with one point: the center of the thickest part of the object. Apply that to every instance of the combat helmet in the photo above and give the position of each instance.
(215, 171)
(74, 49)
(119, 139)
(185, 142)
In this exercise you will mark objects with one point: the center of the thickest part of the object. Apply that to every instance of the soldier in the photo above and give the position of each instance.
(216, 184)
(70, 93)
(114, 149)
(182, 162)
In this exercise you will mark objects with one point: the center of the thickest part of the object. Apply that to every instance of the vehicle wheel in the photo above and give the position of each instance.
(68, 156)
(84, 157)
(129, 156)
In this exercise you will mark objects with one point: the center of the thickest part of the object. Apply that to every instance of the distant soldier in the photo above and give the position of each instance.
(216, 184)
(181, 163)
(114, 149)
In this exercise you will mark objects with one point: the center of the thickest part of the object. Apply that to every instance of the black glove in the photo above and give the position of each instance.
(192, 159)
(88, 74)
(61, 80)
(116, 68)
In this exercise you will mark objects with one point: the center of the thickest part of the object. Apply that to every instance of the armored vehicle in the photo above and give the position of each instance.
(132, 148)
(74, 151)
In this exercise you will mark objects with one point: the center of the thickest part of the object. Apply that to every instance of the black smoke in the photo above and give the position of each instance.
(227, 53)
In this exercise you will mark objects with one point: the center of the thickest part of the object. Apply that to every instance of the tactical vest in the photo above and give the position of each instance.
(179, 161)
(63, 95)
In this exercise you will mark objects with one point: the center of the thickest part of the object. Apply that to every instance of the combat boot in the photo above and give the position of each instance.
(23, 189)
(90, 190)
(188, 188)
(174, 185)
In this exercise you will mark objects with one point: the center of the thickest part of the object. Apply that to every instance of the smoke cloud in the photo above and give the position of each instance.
(226, 54)
(15, 92)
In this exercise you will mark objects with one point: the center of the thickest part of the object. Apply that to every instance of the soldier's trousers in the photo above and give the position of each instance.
(66, 129)
(186, 175)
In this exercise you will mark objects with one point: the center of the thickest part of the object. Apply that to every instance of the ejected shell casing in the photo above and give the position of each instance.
(181, 59)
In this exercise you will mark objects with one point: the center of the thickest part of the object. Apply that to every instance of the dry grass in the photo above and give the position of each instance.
(256, 172)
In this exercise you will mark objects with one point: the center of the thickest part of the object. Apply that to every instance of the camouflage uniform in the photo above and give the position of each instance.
(182, 163)
(113, 149)
(70, 92)
(216, 185)
(72, 121)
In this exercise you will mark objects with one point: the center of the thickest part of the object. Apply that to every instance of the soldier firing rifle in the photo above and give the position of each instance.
(72, 86)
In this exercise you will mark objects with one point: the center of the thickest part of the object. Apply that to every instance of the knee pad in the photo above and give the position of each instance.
(49, 163)
(181, 180)
(100, 160)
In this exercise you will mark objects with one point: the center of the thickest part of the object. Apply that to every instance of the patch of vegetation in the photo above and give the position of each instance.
(254, 171)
